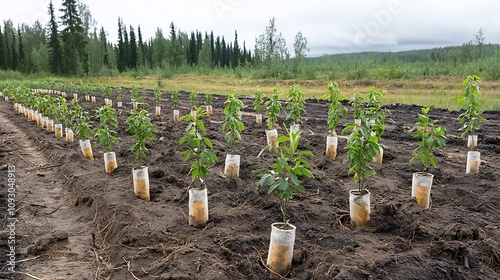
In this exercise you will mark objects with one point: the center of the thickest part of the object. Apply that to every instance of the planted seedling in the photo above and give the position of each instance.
(336, 110)
(233, 126)
(199, 152)
(258, 104)
(295, 104)
(284, 176)
(175, 103)
(137, 97)
(158, 96)
(274, 108)
(80, 122)
(362, 147)
(143, 131)
(208, 102)
(472, 117)
(193, 95)
(118, 91)
(431, 137)
(105, 135)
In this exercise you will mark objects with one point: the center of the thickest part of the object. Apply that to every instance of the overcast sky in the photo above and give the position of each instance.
(330, 26)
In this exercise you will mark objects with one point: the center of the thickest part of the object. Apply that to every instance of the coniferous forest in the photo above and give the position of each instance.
(73, 45)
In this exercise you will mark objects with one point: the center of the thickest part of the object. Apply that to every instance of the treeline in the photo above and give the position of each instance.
(73, 45)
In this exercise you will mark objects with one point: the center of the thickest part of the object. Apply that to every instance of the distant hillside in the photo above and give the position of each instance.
(425, 55)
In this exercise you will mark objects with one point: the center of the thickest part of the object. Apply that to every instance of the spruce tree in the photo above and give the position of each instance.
(235, 62)
(3, 59)
(103, 45)
(218, 53)
(22, 57)
(126, 45)
(142, 52)
(73, 39)
(223, 53)
(13, 53)
(121, 47)
(133, 49)
(212, 49)
(192, 50)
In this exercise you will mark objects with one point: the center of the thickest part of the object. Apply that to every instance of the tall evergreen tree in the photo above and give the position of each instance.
(54, 44)
(22, 56)
(6, 35)
(126, 44)
(121, 47)
(103, 46)
(192, 51)
(199, 42)
(235, 61)
(224, 53)
(212, 48)
(73, 39)
(150, 53)
(243, 57)
(133, 49)
(174, 51)
(3, 58)
(218, 53)
(13, 53)
(142, 49)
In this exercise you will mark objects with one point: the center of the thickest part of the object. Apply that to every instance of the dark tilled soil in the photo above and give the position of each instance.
(457, 238)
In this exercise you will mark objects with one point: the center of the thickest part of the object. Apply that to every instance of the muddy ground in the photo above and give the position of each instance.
(122, 237)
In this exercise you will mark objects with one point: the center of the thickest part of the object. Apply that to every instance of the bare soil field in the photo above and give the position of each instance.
(82, 223)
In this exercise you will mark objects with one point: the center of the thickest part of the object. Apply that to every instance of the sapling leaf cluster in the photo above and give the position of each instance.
(284, 177)
(295, 104)
(142, 130)
(79, 121)
(362, 147)
(175, 96)
(336, 110)
(193, 95)
(158, 95)
(105, 134)
(357, 102)
(233, 124)
(209, 97)
(258, 102)
(431, 137)
(274, 108)
(472, 116)
(198, 147)
(376, 112)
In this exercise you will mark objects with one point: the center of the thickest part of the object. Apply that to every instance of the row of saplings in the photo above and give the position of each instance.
(284, 176)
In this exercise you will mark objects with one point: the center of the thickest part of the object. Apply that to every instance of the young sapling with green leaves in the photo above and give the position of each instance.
(432, 138)
(233, 126)
(274, 108)
(472, 118)
(199, 152)
(258, 104)
(362, 147)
